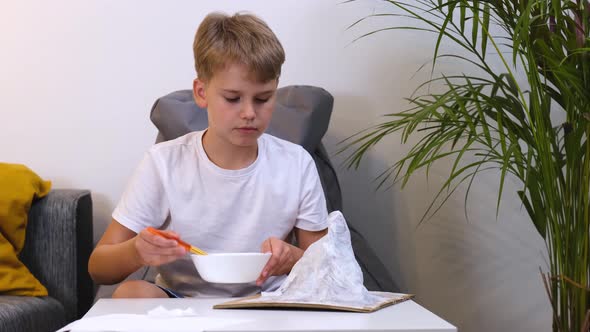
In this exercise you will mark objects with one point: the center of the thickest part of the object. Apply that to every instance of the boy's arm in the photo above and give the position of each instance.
(126, 246)
(114, 257)
(306, 238)
(121, 252)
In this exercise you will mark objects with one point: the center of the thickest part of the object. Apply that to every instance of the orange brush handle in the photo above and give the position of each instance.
(180, 242)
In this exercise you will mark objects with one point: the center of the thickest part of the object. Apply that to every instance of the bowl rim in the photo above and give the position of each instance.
(234, 254)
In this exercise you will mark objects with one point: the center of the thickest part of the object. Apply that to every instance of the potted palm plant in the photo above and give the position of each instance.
(530, 120)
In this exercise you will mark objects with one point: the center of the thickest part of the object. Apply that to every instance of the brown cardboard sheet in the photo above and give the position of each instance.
(259, 302)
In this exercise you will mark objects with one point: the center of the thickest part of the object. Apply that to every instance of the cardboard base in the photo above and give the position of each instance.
(257, 301)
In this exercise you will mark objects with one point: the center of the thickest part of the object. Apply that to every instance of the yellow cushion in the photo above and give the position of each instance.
(18, 187)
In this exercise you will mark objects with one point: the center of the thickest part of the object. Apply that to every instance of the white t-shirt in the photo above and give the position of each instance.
(177, 187)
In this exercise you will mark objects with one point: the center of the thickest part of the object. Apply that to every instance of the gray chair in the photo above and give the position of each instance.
(57, 247)
(302, 116)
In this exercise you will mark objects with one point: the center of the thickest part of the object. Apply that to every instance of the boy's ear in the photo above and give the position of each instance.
(199, 93)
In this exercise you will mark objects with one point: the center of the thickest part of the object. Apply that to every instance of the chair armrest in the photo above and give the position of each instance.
(57, 247)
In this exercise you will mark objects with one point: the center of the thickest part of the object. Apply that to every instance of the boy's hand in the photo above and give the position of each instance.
(155, 250)
(284, 256)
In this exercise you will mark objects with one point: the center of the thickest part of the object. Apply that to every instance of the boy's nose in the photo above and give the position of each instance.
(248, 111)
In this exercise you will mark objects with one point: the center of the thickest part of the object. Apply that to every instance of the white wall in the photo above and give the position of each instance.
(78, 78)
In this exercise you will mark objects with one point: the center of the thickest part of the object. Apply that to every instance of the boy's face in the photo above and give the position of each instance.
(239, 108)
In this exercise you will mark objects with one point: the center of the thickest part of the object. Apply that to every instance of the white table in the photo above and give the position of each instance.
(403, 317)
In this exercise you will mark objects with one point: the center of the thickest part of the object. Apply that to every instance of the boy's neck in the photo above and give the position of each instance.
(226, 155)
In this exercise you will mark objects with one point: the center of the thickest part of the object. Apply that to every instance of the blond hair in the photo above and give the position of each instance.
(239, 39)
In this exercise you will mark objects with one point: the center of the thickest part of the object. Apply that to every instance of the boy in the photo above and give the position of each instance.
(229, 188)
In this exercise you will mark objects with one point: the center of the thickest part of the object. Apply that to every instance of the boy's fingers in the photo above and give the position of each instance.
(163, 256)
(157, 240)
(276, 260)
(164, 252)
(265, 274)
(284, 259)
(156, 250)
(272, 262)
(279, 257)
(165, 242)
(172, 234)
(266, 246)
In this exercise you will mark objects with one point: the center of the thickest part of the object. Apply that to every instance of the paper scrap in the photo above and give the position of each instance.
(160, 311)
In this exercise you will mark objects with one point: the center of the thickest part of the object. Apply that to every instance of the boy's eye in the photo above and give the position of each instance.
(237, 99)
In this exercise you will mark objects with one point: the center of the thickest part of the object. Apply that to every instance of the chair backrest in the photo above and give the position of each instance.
(302, 116)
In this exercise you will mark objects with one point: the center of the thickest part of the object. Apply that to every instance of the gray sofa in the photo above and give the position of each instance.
(57, 247)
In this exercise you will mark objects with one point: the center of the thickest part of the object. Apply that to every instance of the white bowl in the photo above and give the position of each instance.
(230, 267)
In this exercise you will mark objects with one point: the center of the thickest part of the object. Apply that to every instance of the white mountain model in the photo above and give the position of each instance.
(327, 273)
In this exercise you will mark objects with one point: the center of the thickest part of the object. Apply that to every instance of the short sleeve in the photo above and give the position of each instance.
(313, 212)
(144, 202)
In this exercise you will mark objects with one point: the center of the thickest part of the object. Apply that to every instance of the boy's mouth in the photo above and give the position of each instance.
(247, 129)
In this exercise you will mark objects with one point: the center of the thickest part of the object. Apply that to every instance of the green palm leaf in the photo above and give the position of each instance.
(505, 125)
